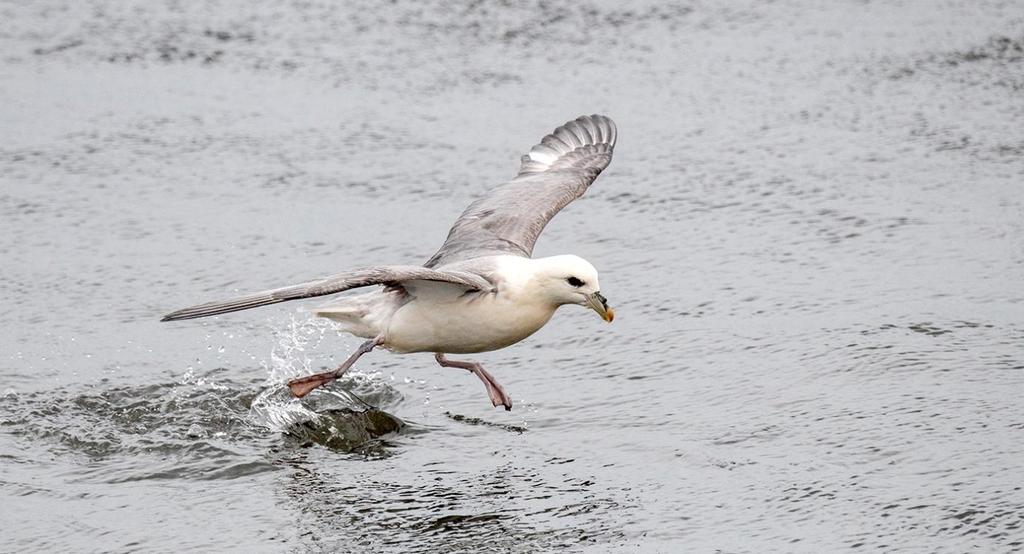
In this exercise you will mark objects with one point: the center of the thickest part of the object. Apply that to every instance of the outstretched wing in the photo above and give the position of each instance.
(381, 275)
(510, 217)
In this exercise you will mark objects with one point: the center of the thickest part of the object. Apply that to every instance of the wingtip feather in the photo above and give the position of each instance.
(577, 142)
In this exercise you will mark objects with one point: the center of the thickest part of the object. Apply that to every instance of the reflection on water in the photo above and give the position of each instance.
(811, 233)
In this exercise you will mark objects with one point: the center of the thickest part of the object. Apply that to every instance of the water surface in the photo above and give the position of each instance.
(811, 233)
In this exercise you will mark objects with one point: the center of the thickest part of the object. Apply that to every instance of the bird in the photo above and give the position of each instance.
(482, 290)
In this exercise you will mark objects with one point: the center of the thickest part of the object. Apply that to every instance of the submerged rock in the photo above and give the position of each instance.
(346, 429)
(330, 416)
(333, 417)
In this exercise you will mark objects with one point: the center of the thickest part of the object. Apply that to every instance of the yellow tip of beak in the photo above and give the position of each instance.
(609, 315)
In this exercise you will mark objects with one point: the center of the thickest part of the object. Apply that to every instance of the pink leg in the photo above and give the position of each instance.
(494, 390)
(304, 385)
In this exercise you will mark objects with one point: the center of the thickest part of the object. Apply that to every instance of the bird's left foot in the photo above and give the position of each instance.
(497, 393)
(494, 390)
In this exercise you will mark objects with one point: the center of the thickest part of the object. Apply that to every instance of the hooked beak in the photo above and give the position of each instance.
(599, 304)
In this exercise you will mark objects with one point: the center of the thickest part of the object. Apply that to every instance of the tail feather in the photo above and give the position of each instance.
(362, 315)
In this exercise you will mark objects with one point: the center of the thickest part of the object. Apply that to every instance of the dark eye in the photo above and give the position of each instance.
(575, 282)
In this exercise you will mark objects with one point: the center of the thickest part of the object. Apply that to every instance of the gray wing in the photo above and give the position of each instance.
(381, 275)
(510, 217)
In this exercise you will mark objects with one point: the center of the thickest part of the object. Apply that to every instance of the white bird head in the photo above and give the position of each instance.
(570, 279)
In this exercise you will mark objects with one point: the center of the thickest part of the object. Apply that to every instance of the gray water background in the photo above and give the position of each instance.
(811, 233)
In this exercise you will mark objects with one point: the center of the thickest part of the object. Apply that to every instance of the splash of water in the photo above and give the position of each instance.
(294, 343)
(293, 354)
(276, 410)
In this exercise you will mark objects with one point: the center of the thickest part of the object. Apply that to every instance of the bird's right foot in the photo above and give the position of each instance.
(304, 385)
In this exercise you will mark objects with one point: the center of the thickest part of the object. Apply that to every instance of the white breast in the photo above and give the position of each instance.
(442, 318)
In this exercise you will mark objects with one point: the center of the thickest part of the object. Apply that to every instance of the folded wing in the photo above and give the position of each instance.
(381, 275)
(510, 217)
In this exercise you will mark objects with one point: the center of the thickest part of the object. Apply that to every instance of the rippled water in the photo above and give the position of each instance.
(811, 233)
